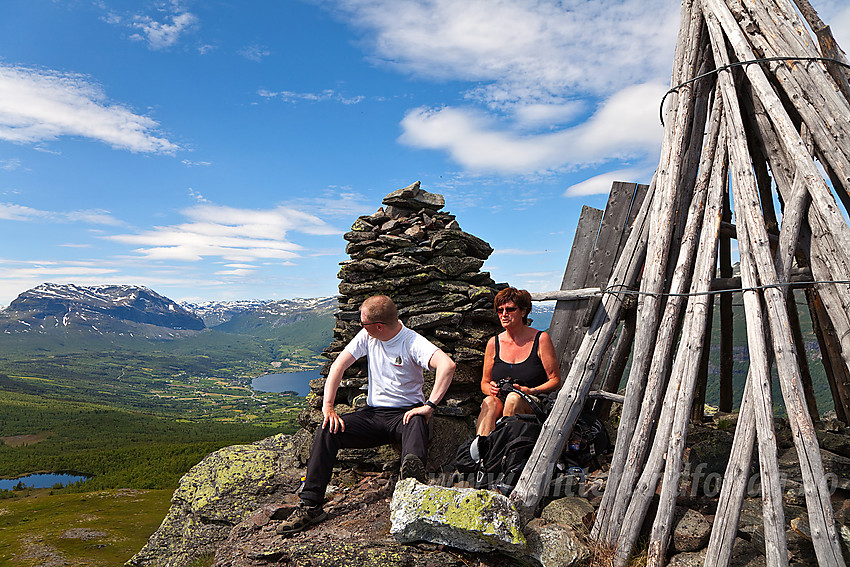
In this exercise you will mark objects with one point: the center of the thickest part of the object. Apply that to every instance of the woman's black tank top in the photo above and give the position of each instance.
(528, 373)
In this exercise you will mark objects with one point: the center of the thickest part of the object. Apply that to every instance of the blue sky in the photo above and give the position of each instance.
(218, 150)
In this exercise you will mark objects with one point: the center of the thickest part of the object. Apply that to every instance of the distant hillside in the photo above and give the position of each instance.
(114, 309)
(253, 316)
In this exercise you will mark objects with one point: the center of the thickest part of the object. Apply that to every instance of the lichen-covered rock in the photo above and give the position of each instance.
(554, 544)
(469, 519)
(218, 493)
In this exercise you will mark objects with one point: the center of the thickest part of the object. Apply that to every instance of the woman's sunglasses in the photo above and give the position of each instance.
(501, 310)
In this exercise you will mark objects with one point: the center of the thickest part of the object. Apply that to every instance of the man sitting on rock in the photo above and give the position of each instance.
(396, 408)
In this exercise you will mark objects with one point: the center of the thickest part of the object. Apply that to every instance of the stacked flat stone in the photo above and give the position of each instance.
(417, 254)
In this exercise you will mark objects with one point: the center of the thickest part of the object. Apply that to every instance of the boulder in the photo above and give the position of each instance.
(745, 554)
(690, 531)
(469, 519)
(554, 544)
(571, 511)
(217, 494)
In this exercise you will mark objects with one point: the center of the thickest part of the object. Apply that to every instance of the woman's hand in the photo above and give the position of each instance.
(526, 390)
(494, 389)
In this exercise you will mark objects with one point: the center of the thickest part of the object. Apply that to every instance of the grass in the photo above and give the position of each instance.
(103, 528)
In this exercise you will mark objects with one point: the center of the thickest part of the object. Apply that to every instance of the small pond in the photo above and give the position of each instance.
(41, 480)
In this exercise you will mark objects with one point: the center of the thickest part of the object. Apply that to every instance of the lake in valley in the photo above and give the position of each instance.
(298, 382)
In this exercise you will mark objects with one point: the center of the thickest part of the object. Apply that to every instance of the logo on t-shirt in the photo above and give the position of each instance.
(398, 361)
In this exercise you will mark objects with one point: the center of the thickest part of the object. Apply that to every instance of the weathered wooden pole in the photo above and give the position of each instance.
(726, 316)
(828, 46)
(677, 135)
(830, 244)
(686, 369)
(752, 239)
(614, 374)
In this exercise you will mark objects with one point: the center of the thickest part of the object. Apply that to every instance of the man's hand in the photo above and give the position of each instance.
(333, 420)
(426, 411)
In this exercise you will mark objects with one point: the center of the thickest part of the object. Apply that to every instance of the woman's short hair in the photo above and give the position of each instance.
(380, 308)
(520, 297)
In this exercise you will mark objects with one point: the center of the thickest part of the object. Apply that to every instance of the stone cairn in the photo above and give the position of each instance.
(417, 254)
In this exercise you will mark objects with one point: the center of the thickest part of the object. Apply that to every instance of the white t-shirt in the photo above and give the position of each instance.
(396, 366)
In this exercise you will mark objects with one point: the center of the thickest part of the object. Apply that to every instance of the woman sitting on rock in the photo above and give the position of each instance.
(521, 354)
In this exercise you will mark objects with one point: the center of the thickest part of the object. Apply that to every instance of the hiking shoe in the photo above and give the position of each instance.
(412, 467)
(300, 519)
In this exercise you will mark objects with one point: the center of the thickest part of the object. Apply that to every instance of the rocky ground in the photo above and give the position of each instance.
(357, 532)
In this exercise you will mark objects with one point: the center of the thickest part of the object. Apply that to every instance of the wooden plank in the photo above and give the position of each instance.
(574, 277)
(726, 316)
(567, 295)
(608, 244)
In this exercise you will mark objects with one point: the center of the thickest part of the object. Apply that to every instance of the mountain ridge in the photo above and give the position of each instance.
(135, 310)
(100, 309)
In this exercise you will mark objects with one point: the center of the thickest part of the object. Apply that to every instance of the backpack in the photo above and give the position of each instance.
(501, 455)
(588, 439)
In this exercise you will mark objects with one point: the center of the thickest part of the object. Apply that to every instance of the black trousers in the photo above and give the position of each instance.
(364, 428)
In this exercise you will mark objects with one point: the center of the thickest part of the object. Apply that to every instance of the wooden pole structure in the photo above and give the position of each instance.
(769, 86)
(830, 244)
(680, 379)
(824, 535)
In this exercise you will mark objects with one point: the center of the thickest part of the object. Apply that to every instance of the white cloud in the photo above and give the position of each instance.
(625, 126)
(537, 66)
(237, 235)
(16, 277)
(323, 96)
(254, 52)
(190, 163)
(535, 115)
(601, 184)
(165, 33)
(11, 211)
(39, 105)
(338, 202)
(526, 49)
(10, 164)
